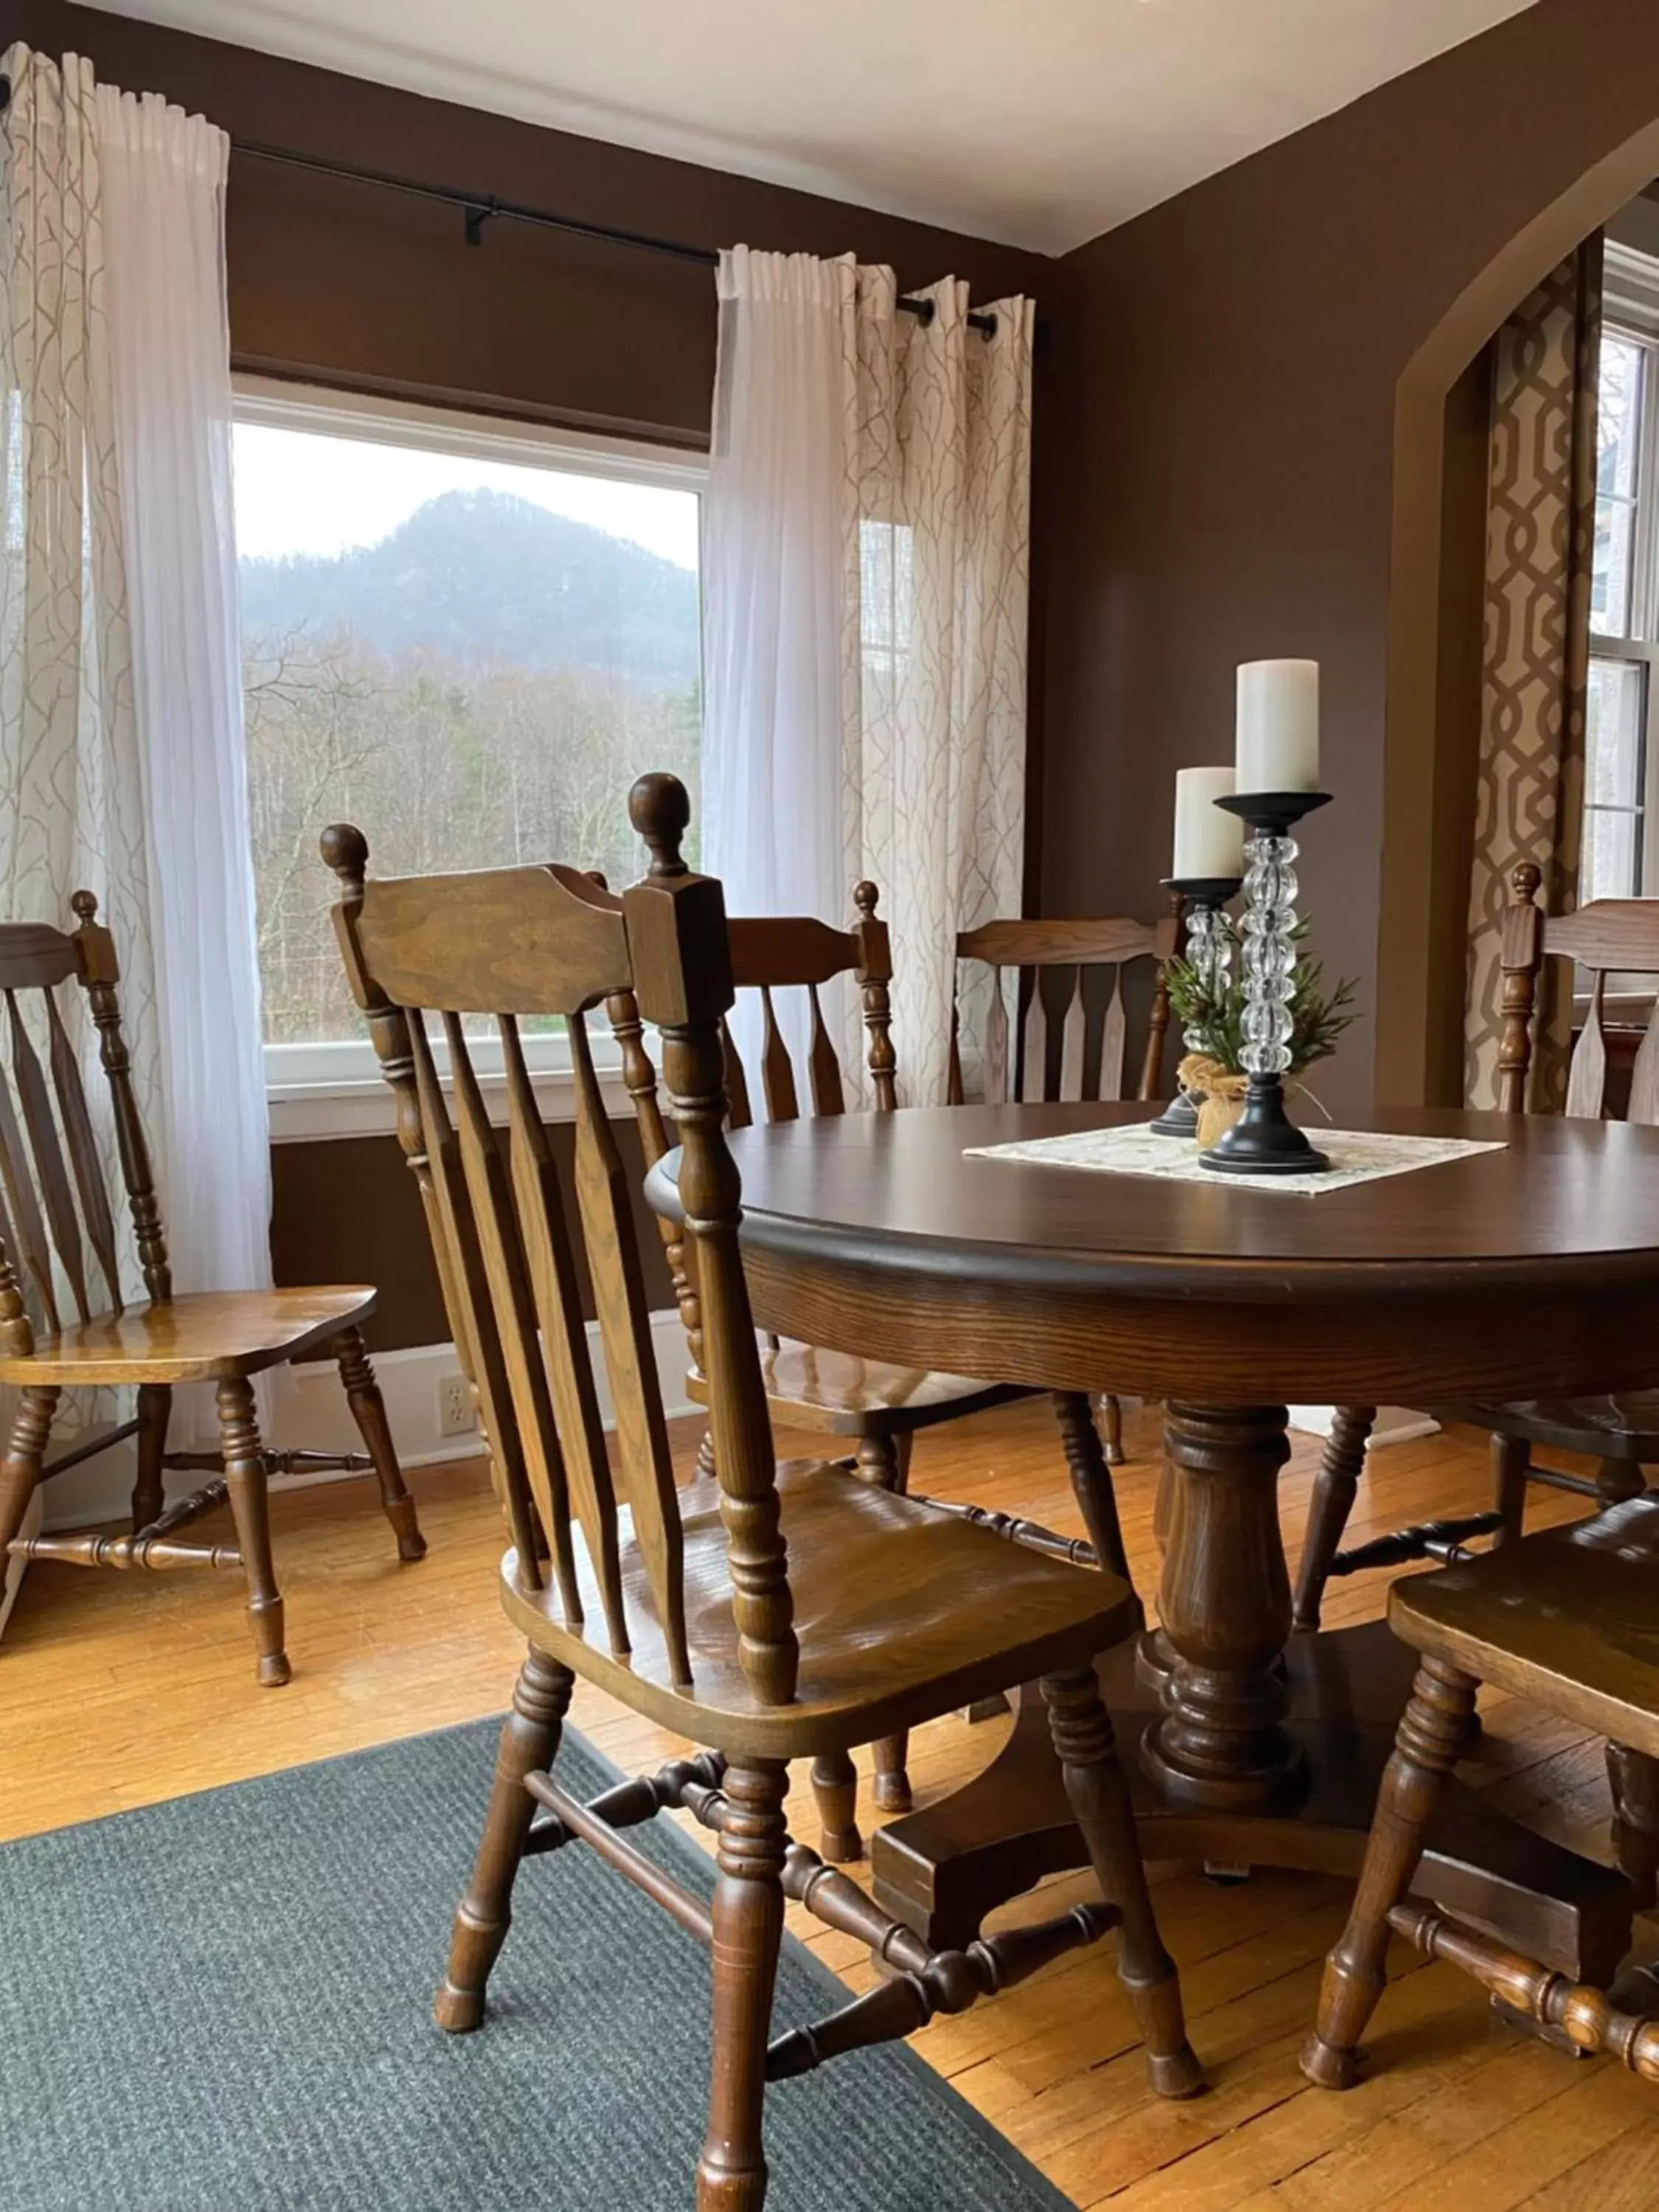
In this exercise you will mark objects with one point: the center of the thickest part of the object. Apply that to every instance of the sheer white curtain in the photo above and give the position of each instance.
(164, 176)
(865, 568)
(121, 747)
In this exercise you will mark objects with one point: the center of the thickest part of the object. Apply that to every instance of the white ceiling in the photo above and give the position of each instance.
(1038, 122)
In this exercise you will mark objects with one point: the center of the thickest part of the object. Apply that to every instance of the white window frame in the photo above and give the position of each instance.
(1631, 308)
(333, 1087)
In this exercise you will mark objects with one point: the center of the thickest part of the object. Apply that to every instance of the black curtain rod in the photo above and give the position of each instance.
(480, 208)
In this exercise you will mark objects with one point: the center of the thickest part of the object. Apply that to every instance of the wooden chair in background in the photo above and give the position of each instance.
(57, 1222)
(1609, 937)
(1562, 1620)
(765, 1613)
(1079, 1050)
(881, 1407)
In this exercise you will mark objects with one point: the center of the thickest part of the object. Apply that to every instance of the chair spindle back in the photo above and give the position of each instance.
(512, 944)
(775, 953)
(1608, 937)
(1017, 1064)
(57, 1222)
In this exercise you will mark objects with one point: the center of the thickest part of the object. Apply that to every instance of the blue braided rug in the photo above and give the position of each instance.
(220, 2004)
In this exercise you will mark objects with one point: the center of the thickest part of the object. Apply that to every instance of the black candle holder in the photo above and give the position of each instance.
(1208, 951)
(1264, 1140)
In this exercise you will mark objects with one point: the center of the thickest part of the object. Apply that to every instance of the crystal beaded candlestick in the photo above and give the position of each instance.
(1264, 1140)
(1209, 953)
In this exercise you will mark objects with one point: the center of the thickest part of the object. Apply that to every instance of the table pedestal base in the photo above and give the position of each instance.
(941, 1870)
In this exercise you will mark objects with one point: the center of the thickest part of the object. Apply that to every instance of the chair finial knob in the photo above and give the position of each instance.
(345, 849)
(660, 812)
(84, 906)
(864, 898)
(1525, 877)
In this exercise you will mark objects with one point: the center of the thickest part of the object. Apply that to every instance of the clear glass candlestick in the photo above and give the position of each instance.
(1264, 1140)
(1269, 932)
(1209, 953)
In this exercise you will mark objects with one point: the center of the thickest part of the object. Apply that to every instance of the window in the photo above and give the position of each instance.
(467, 639)
(1619, 857)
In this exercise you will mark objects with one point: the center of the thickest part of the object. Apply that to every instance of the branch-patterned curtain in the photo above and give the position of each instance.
(1540, 521)
(122, 756)
(865, 569)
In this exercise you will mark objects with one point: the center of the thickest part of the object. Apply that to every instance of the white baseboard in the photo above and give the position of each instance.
(1395, 1424)
(313, 1416)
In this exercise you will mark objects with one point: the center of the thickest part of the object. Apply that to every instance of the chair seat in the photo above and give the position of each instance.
(1569, 1617)
(838, 1392)
(210, 1336)
(904, 1613)
(1623, 1427)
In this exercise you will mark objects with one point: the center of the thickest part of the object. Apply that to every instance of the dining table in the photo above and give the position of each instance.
(1527, 1269)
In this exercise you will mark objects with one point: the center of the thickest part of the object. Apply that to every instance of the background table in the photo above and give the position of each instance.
(1528, 1272)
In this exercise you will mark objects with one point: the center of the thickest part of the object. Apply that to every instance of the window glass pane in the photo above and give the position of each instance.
(1618, 408)
(1621, 397)
(1613, 734)
(1610, 865)
(470, 659)
(1611, 576)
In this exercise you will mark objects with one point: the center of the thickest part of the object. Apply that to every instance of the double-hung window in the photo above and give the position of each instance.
(1620, 851)
(468, 638)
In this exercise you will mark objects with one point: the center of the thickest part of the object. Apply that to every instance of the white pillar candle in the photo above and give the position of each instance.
(1208, 841)
(1278, 725)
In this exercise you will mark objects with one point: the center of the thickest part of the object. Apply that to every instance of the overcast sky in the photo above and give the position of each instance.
(301, 492)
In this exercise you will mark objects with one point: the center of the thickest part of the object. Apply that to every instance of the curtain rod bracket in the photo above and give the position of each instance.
(475, 217)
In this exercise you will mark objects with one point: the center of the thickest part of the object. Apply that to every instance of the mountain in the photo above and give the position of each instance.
(482, 576)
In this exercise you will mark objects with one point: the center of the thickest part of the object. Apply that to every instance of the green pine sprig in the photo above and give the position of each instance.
(1318, 1015)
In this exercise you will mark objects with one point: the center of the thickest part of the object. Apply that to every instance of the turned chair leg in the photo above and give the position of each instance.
(1082, 1731)
(1111, 1415)
(1335, 1487)
(892, 1758)
(885, 1458)
(150, 1482)
(246, 1479)
(529, 1744)
(1433, 1734)
(835, 1793)
(1511, 1458)
(748, 1916)
(1091, 1483)
(20, 1470)
(368, 1411)
(1633, 1778)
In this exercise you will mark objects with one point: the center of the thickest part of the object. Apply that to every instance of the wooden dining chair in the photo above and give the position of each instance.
(765, 1613)
(64, 1324)
(1563, 1619)
(1078, 1048)
(1609, 937)
(878, 1406)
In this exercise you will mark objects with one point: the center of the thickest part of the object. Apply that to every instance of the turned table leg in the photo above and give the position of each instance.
(1221, 1742)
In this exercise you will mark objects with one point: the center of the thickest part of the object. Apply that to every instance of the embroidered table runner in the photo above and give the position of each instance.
(1355, 1155)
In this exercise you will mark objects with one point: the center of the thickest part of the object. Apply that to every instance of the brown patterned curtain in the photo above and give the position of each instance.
(1541, 522)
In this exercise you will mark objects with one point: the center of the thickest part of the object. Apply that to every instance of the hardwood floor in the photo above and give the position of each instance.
(1460, 2114)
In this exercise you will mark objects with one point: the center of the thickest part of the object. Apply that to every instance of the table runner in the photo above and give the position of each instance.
(1356, 1155)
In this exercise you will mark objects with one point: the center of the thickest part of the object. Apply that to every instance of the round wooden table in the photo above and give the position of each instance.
(1528, 1272)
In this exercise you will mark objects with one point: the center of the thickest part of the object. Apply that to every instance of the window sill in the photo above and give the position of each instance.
(315, 1113)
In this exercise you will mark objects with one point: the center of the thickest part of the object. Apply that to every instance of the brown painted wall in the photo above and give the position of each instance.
(1226, 397)
(348, 1210)
(362, 288)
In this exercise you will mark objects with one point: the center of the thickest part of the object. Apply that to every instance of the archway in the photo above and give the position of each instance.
(1422, 907)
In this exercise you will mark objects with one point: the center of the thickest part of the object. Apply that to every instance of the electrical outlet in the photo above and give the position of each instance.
(457, 1415)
